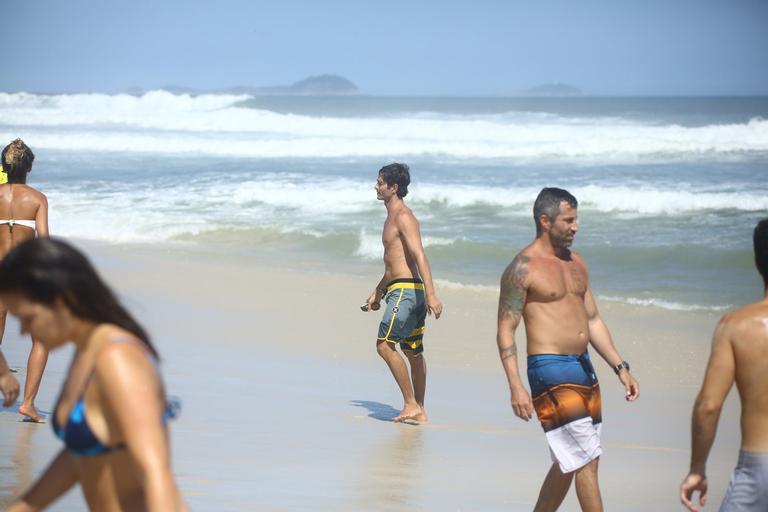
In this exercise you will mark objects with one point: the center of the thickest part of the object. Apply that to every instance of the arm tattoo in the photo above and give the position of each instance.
(507, 352)
(513, 290)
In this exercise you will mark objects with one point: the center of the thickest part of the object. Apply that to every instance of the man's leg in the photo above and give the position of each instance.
(38, 357)
(588, 488)
(553, 490)
(388, 352)
(418, 376)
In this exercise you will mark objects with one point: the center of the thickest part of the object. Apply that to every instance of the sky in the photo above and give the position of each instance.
(442, 48)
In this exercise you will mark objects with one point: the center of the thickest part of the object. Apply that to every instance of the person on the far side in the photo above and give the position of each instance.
(740, 355)
(407, 290)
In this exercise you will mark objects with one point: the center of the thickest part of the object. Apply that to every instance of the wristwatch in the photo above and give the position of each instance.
(619, 367)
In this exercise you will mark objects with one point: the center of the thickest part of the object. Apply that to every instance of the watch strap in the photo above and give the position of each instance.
(621, 366)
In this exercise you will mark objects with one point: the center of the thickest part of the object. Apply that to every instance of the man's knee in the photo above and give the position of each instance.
(590, 468)
(413, 357)
(555, 471)
(384, 348)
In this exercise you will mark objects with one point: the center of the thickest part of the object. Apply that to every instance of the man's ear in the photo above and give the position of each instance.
(545, 222)
(394, 188)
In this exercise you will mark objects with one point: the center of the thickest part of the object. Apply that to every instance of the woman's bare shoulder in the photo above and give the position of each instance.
(34, 193)
(118, 347)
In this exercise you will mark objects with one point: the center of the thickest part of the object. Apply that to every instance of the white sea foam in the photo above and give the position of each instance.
(160, 122)
(369, 246)
(306, 203)
(121, 218)
(455, 285)
(645, 200)
(664, 304)
(432, 241)
(311, 196)
(655, 200)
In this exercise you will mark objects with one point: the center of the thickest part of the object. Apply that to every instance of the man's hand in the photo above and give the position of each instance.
(9, 387)
(521, 403)
(374, 302)
(630, 385)
(434, 306)
(692, 483)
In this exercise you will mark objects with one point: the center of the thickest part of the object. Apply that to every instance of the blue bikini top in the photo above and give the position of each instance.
(78, 436)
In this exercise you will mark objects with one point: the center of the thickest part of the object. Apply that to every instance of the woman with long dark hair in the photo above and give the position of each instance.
(111, 413)
(23, 215)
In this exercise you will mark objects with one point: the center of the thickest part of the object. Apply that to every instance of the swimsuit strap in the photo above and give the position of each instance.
(29, 223)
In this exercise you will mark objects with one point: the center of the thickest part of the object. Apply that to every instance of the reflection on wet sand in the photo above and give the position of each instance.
(22, 458)
(20, 465)
(389, 478)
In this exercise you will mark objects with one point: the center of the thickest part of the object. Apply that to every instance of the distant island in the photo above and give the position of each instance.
(554, 89)
(320, 85)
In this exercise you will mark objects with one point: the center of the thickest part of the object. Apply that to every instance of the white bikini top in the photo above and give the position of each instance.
(30, 223)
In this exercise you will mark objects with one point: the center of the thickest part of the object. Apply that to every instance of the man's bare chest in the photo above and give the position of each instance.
(390, 234)
(554, 280)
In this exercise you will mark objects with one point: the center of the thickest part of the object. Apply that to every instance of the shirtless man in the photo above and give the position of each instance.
(547, 285)
(407, 291)
(740, 355)
(23, 215)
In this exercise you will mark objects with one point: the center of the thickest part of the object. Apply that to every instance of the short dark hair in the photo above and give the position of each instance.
(760, 239)
(548, 203)
(17, 161)
(396, 174)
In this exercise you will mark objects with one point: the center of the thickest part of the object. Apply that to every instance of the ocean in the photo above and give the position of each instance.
(669, 189)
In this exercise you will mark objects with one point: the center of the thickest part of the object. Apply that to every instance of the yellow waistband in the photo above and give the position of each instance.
(407, 286)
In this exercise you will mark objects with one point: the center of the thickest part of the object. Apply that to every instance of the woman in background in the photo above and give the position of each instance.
(111, 413)
(23, 215)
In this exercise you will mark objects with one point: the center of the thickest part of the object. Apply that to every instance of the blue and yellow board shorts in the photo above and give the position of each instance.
(404, 315)
(566, 397)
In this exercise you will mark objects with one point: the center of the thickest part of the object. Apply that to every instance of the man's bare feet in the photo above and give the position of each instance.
(411, 413)
(30, 414)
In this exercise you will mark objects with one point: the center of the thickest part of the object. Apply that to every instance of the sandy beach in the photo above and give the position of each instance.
(221, 167)
(286, 405)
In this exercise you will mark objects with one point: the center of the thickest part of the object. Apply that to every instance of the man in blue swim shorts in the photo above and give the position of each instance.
(547, 286)
(740, 355)
(407, 290)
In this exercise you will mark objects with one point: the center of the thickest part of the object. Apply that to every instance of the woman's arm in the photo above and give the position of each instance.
(56, 480)
(9, 386)
(132, 391)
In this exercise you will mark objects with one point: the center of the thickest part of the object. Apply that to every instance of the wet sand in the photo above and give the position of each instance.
(286, 405)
